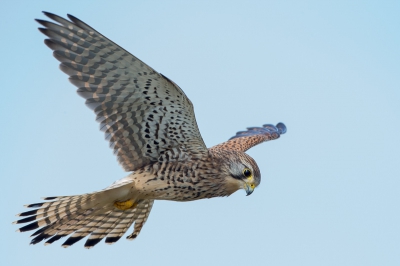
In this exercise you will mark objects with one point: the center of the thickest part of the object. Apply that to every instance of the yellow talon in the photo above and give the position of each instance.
(125, 205)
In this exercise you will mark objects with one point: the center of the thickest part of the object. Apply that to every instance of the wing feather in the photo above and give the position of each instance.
(143, 114)
(244, 140)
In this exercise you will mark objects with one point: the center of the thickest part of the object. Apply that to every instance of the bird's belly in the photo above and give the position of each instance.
(173, 191)
(176, 186)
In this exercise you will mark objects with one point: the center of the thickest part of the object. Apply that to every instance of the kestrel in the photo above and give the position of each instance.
(151, 126)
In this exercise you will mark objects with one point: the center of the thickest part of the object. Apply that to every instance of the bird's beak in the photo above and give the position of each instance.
(249, 187)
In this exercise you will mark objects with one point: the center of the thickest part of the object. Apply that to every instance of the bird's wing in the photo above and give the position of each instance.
(145, 116)
(244, 140)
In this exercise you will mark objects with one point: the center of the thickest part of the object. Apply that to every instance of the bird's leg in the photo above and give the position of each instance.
(125, 205)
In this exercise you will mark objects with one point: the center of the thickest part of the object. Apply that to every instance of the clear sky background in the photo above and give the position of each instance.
(330, 70)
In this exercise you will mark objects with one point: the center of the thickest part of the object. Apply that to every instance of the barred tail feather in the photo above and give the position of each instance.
(106, 226)
(79, 216)
(142, 215)
(85, 228)
(121, 227)
(68, 226)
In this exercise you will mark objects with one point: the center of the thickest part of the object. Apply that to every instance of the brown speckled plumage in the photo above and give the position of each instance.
(151, 126)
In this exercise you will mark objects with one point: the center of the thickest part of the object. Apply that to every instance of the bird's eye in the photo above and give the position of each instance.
(247, 172)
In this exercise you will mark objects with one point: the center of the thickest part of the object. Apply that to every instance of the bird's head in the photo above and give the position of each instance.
(243, 173)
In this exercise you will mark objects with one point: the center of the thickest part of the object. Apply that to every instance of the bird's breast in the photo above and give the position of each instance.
(178, 182)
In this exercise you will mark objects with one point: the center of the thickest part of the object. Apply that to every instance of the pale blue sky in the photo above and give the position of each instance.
(330, 70)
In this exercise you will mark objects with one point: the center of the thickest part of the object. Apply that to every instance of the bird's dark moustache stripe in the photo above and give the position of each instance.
(237, 177)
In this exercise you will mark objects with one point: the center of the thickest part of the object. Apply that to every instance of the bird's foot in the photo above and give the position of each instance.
(125, 205)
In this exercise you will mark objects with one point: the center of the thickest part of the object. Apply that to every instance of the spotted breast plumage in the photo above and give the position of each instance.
(151, 126)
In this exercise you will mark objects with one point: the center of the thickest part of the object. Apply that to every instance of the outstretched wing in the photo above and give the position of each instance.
(244, 140)
(145, 116)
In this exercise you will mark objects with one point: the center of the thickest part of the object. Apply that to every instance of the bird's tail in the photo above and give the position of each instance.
(96, 215)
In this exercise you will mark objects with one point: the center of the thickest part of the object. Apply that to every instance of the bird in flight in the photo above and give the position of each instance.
(151, 127)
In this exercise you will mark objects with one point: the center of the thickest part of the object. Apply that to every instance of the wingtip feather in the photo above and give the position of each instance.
(282, 128)
(40, 21)
(72, 17)
(49, 14)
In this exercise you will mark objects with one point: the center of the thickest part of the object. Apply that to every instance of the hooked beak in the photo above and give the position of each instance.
(249, 188)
